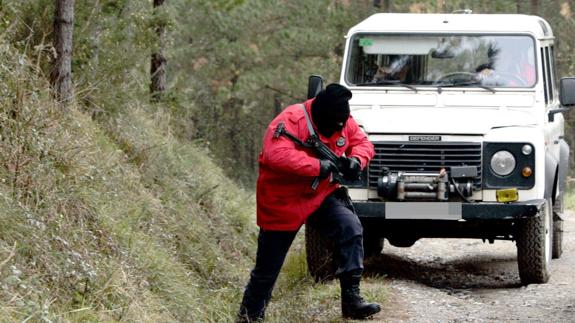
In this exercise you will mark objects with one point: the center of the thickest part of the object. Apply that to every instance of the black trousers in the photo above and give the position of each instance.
(335, 218)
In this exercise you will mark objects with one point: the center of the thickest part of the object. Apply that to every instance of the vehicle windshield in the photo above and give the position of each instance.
(441, 61)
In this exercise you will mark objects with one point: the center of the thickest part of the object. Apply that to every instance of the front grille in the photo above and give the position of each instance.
(424, 157)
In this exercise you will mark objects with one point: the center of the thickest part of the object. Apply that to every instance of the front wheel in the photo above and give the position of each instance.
(534, 241)
(372, 245)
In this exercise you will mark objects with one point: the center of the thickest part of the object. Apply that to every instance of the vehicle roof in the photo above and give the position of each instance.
(458, 23)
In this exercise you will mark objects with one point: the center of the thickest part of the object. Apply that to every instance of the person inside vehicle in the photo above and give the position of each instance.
(396, 70)
(510, 67)
(484, 71)
(516, 63)
(286, 198)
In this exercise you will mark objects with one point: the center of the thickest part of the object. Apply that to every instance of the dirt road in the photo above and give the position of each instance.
(454, 280)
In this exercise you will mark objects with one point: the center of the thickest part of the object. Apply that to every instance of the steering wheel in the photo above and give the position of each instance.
(443, 78)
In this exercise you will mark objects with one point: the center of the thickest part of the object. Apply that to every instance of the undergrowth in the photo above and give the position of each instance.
(120, 220)
(570, 196)
(110, 223)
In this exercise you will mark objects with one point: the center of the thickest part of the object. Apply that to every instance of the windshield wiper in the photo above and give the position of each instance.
(464, 84)
(388, 82)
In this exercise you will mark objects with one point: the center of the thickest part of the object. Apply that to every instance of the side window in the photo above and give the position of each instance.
(550, 85)
(554, 68)
(545, 80)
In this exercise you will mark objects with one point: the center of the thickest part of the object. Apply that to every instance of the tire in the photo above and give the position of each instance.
(534, 242)
(558, 228)
(372, 246)
(321, 261)
(402, 242)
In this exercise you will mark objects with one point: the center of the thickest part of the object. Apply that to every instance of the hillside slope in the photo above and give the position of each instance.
(114, 222)
(120, 220)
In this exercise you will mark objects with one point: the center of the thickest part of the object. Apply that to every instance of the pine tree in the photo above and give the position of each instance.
(158, 61)
(61, 76)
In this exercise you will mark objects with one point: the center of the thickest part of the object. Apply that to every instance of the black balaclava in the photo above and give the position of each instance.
(330, 109)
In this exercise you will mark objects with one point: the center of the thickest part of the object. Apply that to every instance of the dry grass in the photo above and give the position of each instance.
(570, 197)
(119, 220)
(112, 223)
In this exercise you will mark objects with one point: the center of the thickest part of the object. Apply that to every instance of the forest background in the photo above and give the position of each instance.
(86, 188)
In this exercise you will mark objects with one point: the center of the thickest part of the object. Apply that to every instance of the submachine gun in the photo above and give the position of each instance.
(319, 148)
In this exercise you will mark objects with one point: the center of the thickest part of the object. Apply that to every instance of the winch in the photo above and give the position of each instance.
(404, 185)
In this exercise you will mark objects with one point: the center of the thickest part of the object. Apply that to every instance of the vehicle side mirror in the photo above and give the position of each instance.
(566, 97)
(314, 86)
(567, 94)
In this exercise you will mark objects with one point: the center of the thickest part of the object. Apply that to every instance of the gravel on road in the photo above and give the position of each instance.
(464, 280)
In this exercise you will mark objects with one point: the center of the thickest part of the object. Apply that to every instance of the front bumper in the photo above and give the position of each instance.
(453, 211)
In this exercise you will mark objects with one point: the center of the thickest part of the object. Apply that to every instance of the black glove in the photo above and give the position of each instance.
(326, 167)
(350, 168)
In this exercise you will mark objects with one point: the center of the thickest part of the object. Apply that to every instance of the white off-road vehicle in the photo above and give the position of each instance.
(465, 112)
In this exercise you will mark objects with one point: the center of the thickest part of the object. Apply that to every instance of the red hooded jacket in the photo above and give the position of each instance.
(285, 198)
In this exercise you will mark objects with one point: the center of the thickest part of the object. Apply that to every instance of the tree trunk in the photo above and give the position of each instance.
(387, 5)
(277, 104)
(534, 7)
(440, 6)
(158, 62)
(61, 76)
(95, 35)
(384, 5)
(520, 4)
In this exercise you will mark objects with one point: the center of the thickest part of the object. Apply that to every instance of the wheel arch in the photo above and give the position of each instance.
(551, 171)
(563, 166)
(556, 171)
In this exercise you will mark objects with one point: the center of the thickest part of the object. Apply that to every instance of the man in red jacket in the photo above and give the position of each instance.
(288, 195)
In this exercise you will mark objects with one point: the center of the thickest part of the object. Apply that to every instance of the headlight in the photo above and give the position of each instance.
(508, 165)
(502, 163)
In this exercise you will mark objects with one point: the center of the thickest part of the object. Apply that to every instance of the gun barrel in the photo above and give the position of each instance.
(324, 151)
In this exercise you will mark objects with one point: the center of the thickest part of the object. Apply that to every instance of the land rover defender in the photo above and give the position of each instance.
(466, 115)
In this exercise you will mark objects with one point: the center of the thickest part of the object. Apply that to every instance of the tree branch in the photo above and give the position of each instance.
(282, 92)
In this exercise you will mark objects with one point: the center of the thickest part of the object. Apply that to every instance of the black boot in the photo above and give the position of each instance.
(352, 304)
